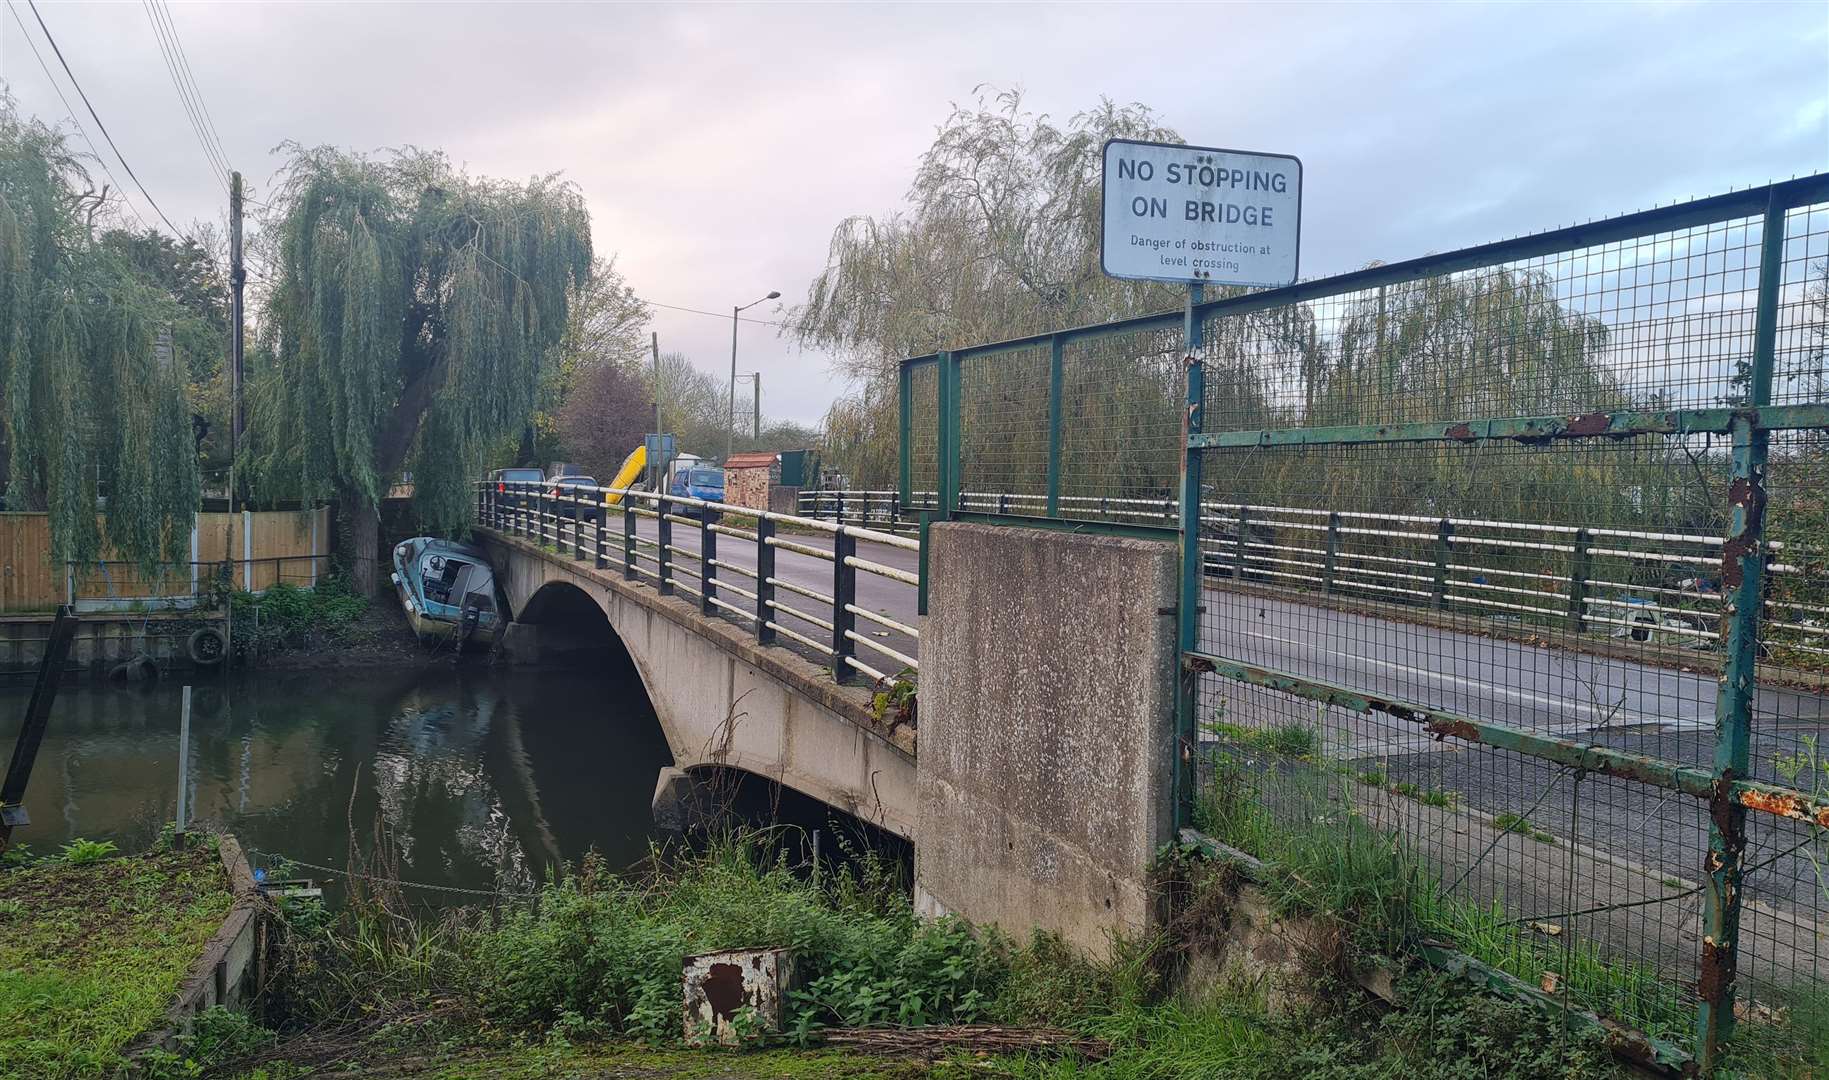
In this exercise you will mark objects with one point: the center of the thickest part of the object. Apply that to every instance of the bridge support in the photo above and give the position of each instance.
(1045, 778)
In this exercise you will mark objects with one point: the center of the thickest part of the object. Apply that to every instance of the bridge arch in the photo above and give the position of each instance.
(721, 699)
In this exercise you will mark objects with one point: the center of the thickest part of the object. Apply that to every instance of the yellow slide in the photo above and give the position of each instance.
(630, 471)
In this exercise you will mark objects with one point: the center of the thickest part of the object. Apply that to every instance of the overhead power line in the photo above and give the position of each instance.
(191, 112)
(211, 138)
(103, 128)
(713, 314)
(80, 130)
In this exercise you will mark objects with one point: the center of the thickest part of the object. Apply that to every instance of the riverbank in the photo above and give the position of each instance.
(586, 983)
(93, 949)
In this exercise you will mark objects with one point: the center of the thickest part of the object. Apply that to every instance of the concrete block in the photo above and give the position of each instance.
(1044, 779)
(721, 985)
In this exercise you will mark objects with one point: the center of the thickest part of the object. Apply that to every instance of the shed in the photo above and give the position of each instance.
(748, 478)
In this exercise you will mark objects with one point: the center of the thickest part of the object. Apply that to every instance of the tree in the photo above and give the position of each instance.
(410, 322)
(191, 274)
(1001, 239)
(94, 406)
(605, 416)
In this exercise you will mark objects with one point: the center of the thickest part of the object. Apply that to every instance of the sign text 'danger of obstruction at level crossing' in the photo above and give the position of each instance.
(1200, 214)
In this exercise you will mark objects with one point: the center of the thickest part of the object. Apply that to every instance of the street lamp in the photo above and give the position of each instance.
(730, 413)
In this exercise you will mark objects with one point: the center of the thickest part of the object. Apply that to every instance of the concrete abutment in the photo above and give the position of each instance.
(1045, 774)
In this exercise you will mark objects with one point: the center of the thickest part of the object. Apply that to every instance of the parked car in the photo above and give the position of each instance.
(506, 494)
(589, 509)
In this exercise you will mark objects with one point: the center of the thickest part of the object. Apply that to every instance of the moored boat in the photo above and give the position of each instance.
(447, 589)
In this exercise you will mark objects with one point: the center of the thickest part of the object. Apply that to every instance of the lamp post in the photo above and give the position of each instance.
(730, 413)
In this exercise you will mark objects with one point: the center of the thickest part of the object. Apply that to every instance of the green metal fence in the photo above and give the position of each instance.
(1516, 554)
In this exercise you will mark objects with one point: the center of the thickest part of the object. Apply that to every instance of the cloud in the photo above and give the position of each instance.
(718, 145)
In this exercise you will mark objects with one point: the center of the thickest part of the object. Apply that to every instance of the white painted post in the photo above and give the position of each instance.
(247, 550)
(184, 762)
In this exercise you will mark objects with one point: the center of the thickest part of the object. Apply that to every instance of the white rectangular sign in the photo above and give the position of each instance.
(1200, 214)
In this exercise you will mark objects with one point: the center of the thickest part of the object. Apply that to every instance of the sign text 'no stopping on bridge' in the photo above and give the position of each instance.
(1199, 214)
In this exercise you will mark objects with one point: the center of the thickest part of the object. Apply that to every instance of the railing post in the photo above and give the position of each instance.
(600, 554)
(765, 573)
(663, 533)
(1444, 541)
(1579, 564)
(1192, 571)
(844, 592)
(838, 515)
(1003, 503)
(708, 554)
(1330, 563)
(1743, 566)
(1240, 553)
(628, 538)
(577, 524)
(895, 510)
(539, 517)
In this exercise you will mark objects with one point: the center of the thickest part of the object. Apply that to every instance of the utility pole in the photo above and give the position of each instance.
(755, 433)
(730, 414)
(238, 277)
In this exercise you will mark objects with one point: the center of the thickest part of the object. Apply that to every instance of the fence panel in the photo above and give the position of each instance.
(1513, 567)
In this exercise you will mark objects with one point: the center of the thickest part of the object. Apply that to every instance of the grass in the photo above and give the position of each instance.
(1292, 740)
(1521, 825)
(93, 951)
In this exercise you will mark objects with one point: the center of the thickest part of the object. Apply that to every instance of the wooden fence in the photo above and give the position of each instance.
(258, 549)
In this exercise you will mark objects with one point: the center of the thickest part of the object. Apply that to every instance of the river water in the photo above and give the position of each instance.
(482, 775)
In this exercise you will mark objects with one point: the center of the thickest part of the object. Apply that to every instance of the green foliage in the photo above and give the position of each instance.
(91, 410)
(290, 617)
(1290, 740)
(80, 852)
(605, 947)
(411, 320)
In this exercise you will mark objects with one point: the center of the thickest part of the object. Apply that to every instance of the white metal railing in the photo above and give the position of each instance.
(583, 520)
(1580, 578)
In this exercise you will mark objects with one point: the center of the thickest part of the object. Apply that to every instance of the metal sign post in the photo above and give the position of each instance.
(1202, 216)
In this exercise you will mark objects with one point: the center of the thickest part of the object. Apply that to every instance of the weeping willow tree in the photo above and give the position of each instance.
(413, 312)
(95, 417)
(1000, 239)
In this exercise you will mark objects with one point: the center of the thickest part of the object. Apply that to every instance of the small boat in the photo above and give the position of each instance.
(447, 589)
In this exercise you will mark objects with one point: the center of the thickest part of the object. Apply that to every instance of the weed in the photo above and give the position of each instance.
(80, 852)
(1291, 740)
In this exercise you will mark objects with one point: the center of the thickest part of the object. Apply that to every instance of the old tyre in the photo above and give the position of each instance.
(206, 646)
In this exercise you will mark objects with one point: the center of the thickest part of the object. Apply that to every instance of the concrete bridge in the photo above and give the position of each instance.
(1043, 784)
(722, 698)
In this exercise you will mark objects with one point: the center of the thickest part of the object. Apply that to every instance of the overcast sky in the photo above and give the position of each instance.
(719, 145)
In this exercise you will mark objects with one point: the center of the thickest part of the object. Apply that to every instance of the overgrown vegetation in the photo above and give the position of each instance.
(285, 616)
(570, 981)
(92, 949)
(1323, 858)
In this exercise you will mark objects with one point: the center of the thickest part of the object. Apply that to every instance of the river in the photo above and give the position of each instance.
(482, 775)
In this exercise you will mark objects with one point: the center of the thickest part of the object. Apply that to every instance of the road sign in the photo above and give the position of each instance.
(1198, 214)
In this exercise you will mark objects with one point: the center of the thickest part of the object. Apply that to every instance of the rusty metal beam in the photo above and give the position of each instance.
(1774, 799)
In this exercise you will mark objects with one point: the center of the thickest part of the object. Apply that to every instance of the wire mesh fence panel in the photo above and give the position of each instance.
(1121, 426)
(923, 439)
(1003, 414)
(1513, 566)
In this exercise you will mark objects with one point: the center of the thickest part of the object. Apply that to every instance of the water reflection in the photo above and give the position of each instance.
(481, 774)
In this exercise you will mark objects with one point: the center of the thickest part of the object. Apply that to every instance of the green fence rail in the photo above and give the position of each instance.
(1661, 373)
